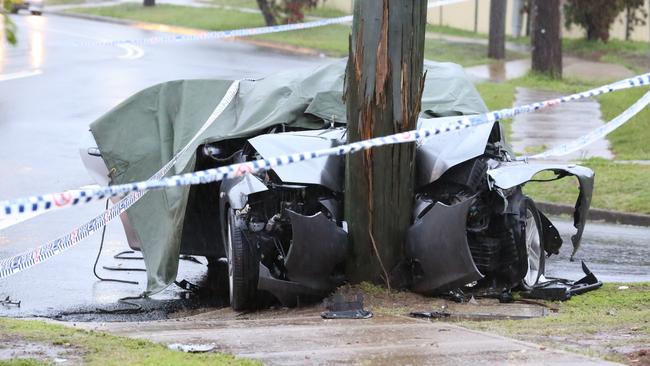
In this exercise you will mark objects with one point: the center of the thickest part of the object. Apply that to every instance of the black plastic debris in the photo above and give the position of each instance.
(341, 308)
(430, 314)
(9, 302)
(558, 289)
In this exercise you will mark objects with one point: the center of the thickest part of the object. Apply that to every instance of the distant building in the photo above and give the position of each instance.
(474, 15)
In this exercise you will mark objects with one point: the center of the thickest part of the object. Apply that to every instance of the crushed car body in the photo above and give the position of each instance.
(282, 232)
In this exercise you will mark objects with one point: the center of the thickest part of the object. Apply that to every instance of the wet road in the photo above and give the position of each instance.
(50, 90)
(614, 253)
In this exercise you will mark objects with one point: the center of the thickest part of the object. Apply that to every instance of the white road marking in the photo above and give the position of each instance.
(20, 75)
(132, 51)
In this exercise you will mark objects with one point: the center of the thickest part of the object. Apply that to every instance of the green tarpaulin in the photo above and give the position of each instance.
(144, 132)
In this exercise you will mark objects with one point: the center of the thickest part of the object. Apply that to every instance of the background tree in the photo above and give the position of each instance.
(284, 11)
(383, 90)
(596, 16)
(497, 37)
(635, 15)
(149, 2)
(546, 39)
(9, 28)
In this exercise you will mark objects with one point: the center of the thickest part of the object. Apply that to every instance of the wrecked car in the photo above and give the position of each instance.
(282, 232)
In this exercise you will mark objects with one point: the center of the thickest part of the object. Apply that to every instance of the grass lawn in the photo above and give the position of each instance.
(184, 16)
(612, 323)
(63, 2)
(333, 40)
(238, 3)
(95, 348)
(634, 55)
(322, 11)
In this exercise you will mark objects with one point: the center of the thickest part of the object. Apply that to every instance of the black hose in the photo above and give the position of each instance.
(99, 253)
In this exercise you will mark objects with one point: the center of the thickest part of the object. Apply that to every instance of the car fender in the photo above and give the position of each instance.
(512, 174)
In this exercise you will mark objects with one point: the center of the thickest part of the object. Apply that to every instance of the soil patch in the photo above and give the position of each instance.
(15, 348)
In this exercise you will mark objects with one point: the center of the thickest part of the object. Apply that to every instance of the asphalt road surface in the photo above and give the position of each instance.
(51, 89)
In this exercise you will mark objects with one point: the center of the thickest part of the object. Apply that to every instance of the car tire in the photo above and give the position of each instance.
(14, 10)
(534, 244)
(243, 265)
(36, 12)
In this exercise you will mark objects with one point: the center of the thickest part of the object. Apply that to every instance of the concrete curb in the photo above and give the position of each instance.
(277, 46)
(596, 214)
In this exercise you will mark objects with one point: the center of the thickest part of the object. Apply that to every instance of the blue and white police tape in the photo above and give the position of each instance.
(28, 259)
(597, 134)
(32, 257)
(246, 31)
(76, 197)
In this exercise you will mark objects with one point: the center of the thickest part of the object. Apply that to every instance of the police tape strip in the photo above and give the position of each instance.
(35, 256)
(246, 31)
(76, 197)
(597, 134)
(28, 259)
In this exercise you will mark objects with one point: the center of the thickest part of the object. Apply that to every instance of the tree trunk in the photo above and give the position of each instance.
(547, 43)
(497, 41)
(149, 3)
(383, 92)
(267, 12)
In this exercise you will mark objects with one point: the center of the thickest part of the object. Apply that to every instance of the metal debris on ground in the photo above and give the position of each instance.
(9, 302)
(558, 289)
(192, 348)
(341, 308)
(430, 314)
(457, 296)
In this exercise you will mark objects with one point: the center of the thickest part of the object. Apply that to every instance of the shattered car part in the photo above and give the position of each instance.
(311, 264)
(437, 243)
(557, 289)
(192, 348)
(9, 302)
(509, 175)
(430, 314)
(339, 307)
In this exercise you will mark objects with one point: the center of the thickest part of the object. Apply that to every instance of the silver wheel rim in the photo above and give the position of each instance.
(533, 249)
(231, 280)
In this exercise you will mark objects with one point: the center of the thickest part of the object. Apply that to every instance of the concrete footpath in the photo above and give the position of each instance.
(298, 337)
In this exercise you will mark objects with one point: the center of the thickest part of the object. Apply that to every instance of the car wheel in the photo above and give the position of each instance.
(534, 244)
(243, 266)
(36, 12)
(14, 10)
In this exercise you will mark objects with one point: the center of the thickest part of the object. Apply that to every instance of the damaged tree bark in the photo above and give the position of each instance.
(383, 91)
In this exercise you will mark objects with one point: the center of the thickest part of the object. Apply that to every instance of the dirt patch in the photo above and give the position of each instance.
(383, 302)
(387, 302)
(641, 357)
(12, 348)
